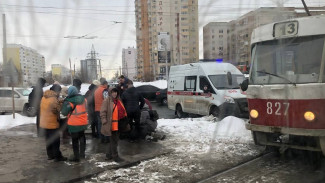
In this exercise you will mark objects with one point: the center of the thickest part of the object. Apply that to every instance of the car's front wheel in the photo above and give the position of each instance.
(29, 110)
(179, 112)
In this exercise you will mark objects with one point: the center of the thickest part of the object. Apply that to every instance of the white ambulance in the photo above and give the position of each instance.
(223, 96)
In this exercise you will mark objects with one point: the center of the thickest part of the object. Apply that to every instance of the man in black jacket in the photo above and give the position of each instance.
(131, 99)
(34, 100)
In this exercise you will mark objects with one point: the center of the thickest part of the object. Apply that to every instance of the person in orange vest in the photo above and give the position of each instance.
(111, 112)
(49, 114)
(100, 94)
(75, 108)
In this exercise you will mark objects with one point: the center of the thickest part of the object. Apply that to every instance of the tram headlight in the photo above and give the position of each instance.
(309, 116)
(253, 113)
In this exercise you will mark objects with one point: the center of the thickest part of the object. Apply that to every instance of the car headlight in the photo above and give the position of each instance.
(229, 100)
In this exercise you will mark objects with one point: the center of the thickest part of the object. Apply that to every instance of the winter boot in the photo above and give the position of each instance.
(118, 159)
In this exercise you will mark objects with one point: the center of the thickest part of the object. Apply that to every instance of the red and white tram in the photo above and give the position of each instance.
(286, 87)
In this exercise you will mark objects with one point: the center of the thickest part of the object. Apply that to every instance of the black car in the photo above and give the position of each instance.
(161, 96)
(148, 91)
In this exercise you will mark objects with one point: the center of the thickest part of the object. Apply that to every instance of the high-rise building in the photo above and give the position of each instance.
(215, 40)
(129, 63)
(167, 34)
(26, 64)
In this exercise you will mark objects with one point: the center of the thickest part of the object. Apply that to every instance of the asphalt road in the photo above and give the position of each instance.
(163, 111)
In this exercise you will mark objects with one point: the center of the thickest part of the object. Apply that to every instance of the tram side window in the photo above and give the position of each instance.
(190, 83)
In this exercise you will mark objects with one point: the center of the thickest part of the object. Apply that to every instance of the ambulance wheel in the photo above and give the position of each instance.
(179, 112)
(215, 111)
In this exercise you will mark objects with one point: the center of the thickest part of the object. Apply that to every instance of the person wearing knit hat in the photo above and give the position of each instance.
(57, 88)
(49, 121)
(75, 108)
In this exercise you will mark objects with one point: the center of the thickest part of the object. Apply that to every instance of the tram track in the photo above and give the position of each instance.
(235, 167)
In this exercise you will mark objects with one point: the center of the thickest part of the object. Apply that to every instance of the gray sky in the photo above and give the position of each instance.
(43, 24)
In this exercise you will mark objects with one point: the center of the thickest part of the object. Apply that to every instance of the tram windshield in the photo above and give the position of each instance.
(285, 61)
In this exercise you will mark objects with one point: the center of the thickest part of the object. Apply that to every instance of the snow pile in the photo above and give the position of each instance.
(7, 121)
(200, 134)
(232, 127)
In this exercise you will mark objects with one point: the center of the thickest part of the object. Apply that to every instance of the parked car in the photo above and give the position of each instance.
(161, 96)
(20, 98)
(148, 91)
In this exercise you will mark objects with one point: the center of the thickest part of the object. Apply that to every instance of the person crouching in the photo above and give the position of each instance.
(111, 111)
(74, 107)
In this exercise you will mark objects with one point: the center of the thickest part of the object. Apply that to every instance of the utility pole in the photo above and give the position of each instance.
(120, 70)
(4, 39)
(100, 69)
(74, 69)
(70, 71)
(306, 8)
(5, 62)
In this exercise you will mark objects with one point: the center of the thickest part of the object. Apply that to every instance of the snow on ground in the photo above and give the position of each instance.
(7, 121)
(202, 133)
(198, 143)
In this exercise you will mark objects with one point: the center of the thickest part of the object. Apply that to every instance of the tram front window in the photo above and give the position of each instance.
(292, 60)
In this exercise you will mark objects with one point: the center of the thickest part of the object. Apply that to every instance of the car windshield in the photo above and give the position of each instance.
(294, 60)
(24, 92)
(221, 81)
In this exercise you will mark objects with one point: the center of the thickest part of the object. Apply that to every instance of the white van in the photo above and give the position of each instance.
(224, 97)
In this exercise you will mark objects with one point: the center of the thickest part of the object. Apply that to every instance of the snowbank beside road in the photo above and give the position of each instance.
(199, 135)
(7, 121)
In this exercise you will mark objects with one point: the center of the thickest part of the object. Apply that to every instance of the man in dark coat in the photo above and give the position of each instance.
(34, 100)
(131, 99)
(91, 109)
(123, 84)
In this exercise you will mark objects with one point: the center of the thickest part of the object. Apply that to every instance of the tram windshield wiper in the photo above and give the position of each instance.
(264, 72)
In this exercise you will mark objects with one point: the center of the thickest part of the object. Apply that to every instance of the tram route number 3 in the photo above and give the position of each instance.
(285, 29)
(277, 108)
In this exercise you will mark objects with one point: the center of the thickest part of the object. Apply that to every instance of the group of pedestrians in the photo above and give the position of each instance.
(109, 111)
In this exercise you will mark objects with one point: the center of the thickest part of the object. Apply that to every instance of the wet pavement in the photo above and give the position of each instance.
(23, 157)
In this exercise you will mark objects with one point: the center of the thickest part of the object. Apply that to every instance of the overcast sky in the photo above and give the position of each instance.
(43, 24)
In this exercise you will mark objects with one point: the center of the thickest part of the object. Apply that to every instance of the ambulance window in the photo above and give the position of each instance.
(190, 83)
(203, 81)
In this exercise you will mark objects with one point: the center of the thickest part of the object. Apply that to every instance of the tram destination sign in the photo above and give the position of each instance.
(285, 29)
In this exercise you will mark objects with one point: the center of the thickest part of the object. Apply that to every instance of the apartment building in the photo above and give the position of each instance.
(167, 34)
(60, 72)
(239, 32)
(27, 64)
(215, 40)
(129, 62)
